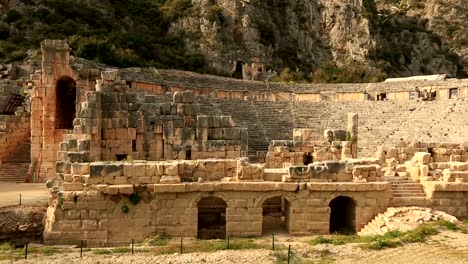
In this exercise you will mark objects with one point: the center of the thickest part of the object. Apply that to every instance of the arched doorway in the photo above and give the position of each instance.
(65, 100)
(275, 216)
(343, 215)
(211, 218)
(238, 73)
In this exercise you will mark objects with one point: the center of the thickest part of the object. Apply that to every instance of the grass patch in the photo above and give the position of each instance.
(102, 251)
(447, 225)
(121, 250)
(6, 247)
(208, 246)
(47, 251)
(390, 239)
(335, 240)
(156, 241)
(234, 244)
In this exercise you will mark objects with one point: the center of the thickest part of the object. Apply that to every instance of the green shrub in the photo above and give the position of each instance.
(13, 15)
(125, 209)
(353, 73)
(134, 198)
(288, 76)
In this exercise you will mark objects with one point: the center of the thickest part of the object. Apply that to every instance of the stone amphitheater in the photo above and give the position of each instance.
(131, 153)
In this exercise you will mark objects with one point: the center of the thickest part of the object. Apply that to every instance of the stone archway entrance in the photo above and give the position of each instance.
(343, 215)
(275, 216)
(65, 100)
(211, 218)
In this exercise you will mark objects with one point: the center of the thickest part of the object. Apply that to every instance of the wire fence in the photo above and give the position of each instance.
(161, 247)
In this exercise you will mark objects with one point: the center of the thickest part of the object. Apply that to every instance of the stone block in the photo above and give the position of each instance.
(202, 121)
(171, 169)
(125, 188)
(80, 168)
(226, 121)
(72, 186)
(169, 180)
(112, 190)
(421, 158)
(138, 170)
(89, 225)
(232, 133)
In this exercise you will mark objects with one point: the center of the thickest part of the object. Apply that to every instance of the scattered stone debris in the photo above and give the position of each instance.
(404, 219)
(18, 222)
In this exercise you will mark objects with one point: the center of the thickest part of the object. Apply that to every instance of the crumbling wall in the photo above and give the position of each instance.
(104, 211)
(14, 130)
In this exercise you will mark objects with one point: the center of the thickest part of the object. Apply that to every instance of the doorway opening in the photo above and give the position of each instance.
(238, 71)
(343, 215)
(65, 109)
(275, 216)
(308, 158)
(188, 153)
(211, 218)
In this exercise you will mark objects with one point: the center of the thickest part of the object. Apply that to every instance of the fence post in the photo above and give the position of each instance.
(133, 246)
(81, 248)
(181, 252)
(26, 250)
(20, 199)
(289, 253)
(227, 242)
(273, 243)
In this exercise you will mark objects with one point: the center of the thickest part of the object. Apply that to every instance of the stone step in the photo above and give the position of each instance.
(14, 172)
(408, 201)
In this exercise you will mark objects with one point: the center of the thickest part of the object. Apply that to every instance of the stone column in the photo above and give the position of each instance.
(353, 132)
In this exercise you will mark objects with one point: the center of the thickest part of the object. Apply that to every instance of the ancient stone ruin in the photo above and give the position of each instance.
(131, 153)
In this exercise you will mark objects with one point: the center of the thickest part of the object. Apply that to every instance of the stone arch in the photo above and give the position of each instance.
(65, 102)
(199, 196)
(211, 218)
(291, 199)
(342, 215)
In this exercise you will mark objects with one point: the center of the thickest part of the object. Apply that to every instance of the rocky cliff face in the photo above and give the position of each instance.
(276, 34)
(252, 39)
(306, 35)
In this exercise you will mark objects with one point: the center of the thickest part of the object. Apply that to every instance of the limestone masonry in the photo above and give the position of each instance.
(131, 153)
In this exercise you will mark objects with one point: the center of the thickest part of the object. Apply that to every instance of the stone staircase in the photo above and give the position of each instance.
(374, 227)
(406, 192)
(15, 169)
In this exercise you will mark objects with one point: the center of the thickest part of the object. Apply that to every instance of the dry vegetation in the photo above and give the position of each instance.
(428, 238)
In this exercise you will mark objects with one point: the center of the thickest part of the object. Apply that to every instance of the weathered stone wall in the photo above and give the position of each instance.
(270, 110)
(172, 209)
(451, 198)
(14, 130)
(7, 87)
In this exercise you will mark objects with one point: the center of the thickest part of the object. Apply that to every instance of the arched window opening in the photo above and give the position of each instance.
(65, 100)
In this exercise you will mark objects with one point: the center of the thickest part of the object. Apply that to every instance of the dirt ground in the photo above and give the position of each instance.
(448, 247)
(31, 194)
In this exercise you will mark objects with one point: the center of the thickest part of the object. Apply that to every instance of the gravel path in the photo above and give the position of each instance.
(219, 257)
(31, 194)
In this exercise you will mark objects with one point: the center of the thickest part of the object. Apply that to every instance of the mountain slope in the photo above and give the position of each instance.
(248, 38)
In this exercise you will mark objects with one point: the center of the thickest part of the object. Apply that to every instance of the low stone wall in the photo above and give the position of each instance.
(104, 219)
(13, 131)
(451, 198)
